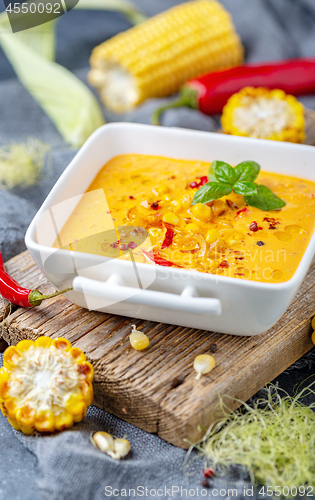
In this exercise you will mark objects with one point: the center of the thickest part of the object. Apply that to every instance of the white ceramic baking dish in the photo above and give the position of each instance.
(168, 295)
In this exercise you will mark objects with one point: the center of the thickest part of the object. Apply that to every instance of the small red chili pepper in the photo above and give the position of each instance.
(155, 205)
(203, 180)
(19, 296)
(210, 92)
(242, 210)
(208, 472)
(156, 258)
(194, 184)
(168, 239)
(254, 227)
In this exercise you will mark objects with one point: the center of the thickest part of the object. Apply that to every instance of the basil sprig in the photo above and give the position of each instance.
(223, 179)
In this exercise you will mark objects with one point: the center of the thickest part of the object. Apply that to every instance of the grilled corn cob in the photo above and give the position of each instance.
(45, 385)
(156, 57)
(265, 114)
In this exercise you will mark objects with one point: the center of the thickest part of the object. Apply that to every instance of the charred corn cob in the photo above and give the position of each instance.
(156, 57)
(265, 114)
(45, 385)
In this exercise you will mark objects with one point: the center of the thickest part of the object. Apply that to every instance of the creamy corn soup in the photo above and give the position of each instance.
(224, 237)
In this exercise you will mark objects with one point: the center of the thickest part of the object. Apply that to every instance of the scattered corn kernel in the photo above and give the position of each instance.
(212, 236)
(193, 228)
(313, 338)
(313, 323)
(171, 218)
(203, 364)
(121, 448)
(138, 340)
(161, 189)
(45, 385)
(201, 212)
(103, 441)
(115, 448)
(176, 205)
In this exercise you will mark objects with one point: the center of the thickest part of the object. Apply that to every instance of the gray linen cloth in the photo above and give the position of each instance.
(66, 466)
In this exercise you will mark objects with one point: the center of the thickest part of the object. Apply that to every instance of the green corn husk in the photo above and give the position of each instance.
(68, 102)
(134, 15)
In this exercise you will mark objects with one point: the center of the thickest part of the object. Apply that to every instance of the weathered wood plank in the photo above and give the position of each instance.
(156, 390)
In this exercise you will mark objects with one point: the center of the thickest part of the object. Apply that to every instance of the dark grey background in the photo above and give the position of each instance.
(66, 466)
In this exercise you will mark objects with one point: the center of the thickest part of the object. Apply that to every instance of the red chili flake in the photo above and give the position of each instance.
(253, 226)
(132, 245)
(224, 263)
(194, 184)
(155, 205)
(203, 180)
(245, 209)
(168, 239)
(239, 258)
(123, 247)
(208, 472)
(131, 197)
(114, 245)
(272, 222)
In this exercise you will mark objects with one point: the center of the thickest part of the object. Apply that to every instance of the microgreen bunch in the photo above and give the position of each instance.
(273, 440)
(223, 179)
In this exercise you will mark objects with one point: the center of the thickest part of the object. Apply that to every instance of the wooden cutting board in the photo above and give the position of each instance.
(156, 389)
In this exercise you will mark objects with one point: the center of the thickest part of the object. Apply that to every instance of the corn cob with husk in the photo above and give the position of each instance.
(45, 385)
(265, 114)
(156, 57)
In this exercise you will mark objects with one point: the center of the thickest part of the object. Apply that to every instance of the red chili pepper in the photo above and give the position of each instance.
(210, 92)
(12, 291)
(242, 210)
(203, 180)
(254, 227)
(156, 258)
(208, 472)
(194, 184)
(168, 239)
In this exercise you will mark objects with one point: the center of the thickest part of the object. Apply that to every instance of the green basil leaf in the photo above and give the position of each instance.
(211, 174)
(245, 188)
(223, 172)
(265, 199)
(211, 191)
(247, 171)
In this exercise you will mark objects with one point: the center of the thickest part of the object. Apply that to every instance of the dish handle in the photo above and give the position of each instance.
(114, 289)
